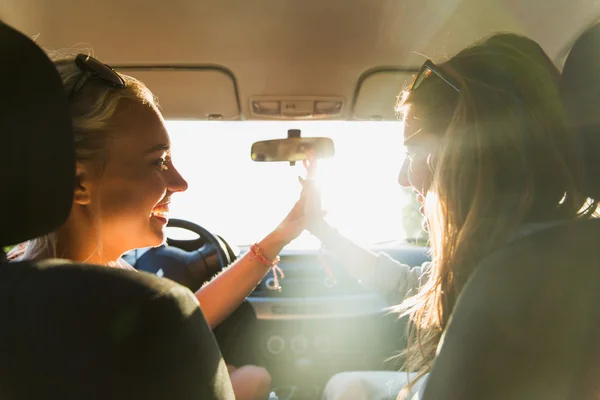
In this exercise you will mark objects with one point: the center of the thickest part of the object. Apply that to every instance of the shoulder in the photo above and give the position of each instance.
(121, 263)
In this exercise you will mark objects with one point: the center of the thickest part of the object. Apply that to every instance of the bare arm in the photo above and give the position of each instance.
(221, 296)
(225, 293)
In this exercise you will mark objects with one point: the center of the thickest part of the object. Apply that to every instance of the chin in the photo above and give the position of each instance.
(150, 238)
(158, 239)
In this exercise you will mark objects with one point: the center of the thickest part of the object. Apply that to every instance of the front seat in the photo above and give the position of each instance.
(74, 331)
(527, 324)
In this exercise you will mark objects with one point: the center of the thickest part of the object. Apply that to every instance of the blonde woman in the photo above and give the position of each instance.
(490, 158)
(124, 182)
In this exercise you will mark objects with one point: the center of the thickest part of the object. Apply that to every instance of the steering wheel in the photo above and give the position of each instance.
(188, 262)
(206, 243)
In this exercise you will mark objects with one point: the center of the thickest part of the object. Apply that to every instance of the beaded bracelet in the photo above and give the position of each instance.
(256, 253)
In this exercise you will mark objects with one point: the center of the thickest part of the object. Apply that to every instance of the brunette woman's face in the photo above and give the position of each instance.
(417, 172)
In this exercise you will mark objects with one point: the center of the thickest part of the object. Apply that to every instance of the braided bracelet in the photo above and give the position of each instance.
(256, 253)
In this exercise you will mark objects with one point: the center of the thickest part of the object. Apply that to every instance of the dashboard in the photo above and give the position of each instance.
(310, 292)
(314, 327)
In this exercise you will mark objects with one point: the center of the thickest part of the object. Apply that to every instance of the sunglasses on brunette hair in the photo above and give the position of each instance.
(426, 70)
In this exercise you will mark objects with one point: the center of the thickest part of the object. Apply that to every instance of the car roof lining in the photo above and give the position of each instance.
(286, 47)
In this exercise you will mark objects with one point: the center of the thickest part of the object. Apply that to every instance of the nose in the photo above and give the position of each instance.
(176, 182)
(403, 175)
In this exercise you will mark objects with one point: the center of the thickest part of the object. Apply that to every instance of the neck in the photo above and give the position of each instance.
(79, 240)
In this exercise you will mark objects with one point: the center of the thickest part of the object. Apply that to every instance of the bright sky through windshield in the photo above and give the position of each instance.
(242, 200)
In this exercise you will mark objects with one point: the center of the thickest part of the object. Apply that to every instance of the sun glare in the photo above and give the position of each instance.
(243, 200)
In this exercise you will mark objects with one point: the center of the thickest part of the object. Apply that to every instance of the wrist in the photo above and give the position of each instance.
(272, 245)
(321, 229)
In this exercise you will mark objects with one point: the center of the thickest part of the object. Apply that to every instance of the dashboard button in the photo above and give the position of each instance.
(275, 344)
(299, 344)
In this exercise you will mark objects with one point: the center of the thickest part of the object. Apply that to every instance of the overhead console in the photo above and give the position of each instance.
(374, 98)
(296, 107)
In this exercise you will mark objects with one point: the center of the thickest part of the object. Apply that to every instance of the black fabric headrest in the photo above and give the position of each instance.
(581, 94)
(38, 155)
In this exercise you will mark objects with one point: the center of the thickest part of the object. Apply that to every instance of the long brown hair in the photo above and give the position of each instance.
(505, 159)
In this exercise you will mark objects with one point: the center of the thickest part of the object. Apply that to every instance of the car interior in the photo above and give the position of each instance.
(232, 74)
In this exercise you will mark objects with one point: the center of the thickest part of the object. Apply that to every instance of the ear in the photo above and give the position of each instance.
(83, 194)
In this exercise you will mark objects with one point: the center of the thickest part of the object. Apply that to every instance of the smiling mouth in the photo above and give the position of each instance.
(161, 211)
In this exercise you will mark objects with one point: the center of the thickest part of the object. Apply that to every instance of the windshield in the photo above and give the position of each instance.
(242, 200)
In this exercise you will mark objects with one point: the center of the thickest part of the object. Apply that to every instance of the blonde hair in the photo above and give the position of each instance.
(506, 158)
(93, 110)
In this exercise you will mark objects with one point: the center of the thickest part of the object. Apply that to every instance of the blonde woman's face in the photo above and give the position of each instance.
(416, 172)
(131, 196)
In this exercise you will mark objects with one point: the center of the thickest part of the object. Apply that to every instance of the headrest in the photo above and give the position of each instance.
(581, 94)
(38, 155)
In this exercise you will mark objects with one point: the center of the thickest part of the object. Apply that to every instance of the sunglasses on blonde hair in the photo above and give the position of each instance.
(93, 69)
(426, 70)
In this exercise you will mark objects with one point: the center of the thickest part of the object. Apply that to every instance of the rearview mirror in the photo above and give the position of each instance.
(292, 149)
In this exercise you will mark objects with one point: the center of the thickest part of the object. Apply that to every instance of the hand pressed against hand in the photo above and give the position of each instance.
(313, 210)
(307, 209)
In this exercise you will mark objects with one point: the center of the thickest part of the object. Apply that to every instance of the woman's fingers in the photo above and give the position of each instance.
(310, 164)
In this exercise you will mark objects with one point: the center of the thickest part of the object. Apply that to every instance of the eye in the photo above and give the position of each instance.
(162, 163)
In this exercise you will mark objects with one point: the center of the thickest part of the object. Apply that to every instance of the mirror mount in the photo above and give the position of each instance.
(294, 133)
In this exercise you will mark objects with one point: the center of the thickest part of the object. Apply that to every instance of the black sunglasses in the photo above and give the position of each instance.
(93, 69)
(426, 70)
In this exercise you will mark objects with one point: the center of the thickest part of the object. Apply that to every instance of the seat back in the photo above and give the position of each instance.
(527, 324)
(37, 142)
(70, 331)
(75, 332)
